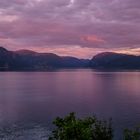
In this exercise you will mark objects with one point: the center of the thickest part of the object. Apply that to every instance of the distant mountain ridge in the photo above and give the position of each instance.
(30, 60)
(111, 60)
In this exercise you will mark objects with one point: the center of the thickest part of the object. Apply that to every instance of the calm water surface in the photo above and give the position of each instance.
(38, 97)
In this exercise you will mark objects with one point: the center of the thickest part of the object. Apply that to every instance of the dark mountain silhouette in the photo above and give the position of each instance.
(8, 59)
(110, 60)
(25, 52)
(35, 60)
(68, 61)
(30, 60)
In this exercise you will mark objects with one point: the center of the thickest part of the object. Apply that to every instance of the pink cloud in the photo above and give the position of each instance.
(92, 39)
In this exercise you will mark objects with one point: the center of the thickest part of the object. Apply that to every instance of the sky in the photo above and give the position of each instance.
(80, 28)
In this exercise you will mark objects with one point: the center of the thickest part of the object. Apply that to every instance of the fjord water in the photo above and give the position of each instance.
(38, 97)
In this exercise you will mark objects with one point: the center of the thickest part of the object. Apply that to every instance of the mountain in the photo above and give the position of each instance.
(30, 60)
(68, 61)
(35, 60)
(110, 60)
(8, 59)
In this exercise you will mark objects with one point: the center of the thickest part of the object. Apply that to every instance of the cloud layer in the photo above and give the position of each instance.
(63, 26)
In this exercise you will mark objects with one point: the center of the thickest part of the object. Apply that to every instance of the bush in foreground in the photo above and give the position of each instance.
(90, 128)
(72, 128)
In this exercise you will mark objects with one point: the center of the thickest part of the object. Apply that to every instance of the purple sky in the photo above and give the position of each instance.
(79, 28)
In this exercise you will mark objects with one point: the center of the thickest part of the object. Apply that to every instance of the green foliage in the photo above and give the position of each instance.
(132, 134)
(72, 128)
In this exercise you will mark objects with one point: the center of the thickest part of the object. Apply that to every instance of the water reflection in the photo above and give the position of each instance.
(41, 96)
